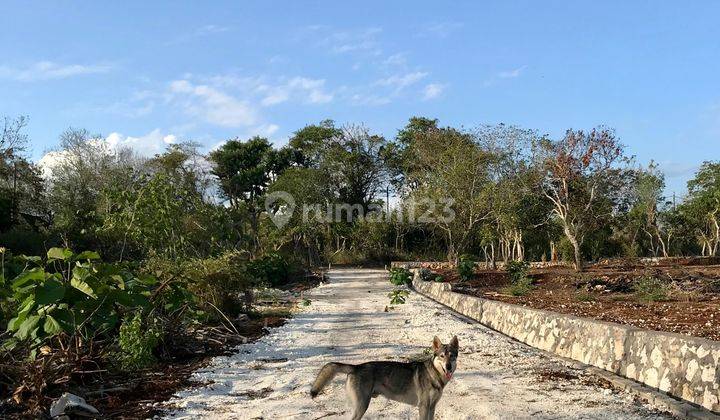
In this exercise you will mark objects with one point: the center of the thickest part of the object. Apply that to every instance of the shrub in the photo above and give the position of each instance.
(398, 296)
(137, 340)
(466, 267)
(650, 289)
(426, 274)
(400, 276)
(269, 270)
(585, 297)
(517, 270)
(519, 288)
(71, 293)
(439, 279)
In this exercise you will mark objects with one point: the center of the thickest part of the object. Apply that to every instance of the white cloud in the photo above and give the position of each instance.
(147, 145)
(398, 59)
(399, 82)
(304, 89)
(432, 91)
(48, 70)
(342, 42)
(211, 29)
(511, 74)
(212, 105)
(440, 29)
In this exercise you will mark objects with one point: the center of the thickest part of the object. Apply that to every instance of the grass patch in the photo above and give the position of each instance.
(521, 287)
(585, 297)
(650, 289)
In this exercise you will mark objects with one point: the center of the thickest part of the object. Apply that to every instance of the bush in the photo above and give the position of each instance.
(398, 296)
(520, 283)
(270, 270)
(71, 293)
(426, 274)
(585, 297)
(650, 289)
(517, 270)
(439, 279)
(466, 267)
(400, 276)
(137, 340)
(519, 288)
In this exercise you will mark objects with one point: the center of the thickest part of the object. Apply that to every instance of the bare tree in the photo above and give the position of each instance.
(581, 179)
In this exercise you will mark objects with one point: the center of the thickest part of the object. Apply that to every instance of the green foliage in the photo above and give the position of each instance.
(439, 279)
(137, 340)
(519, 288)
(585, 297)
(651, 289)
(270, 270)
(400, 276)
(517, 270)
(398, 296)
(466, 267)
(72, 293)
(426, 274)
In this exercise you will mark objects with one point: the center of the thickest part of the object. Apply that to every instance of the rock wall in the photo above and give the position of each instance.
(682, 366)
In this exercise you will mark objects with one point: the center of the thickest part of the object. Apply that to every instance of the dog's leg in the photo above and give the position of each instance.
(427, 411)
(359, 397)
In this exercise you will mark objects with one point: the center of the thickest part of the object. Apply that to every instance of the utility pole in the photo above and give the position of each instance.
(387, 199)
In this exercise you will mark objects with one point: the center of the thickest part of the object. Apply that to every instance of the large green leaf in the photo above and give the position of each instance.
(82, 286)
(28, 276)
(65, 318)
(88, 255)
(28, 326)
(52, 291)
(51, 326)
(59, 254)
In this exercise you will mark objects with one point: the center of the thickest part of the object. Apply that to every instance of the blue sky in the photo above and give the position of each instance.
(148, 73)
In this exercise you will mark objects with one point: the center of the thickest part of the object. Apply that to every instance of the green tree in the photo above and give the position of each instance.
(702, 207)
(245, 169)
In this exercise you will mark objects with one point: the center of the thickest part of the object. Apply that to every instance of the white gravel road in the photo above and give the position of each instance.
(496, 378)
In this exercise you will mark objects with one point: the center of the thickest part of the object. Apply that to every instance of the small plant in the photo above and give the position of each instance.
(439, 279)
(519, 288)
(650, 289)
(400, 276)
(585, 297)
(426, 274)
(398, 296)
(306, 302)
(137, 342)
(466, 267)
(517, 270)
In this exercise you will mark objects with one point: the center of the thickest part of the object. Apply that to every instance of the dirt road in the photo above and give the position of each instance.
(496, 377)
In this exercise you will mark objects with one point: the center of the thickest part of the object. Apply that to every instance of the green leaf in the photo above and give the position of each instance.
(27, 327)
(27, 276)
(65, 318)
(52, 291)
(88, 255)
(82, 286)
(59, 254)
(119, 280)
(51, 326)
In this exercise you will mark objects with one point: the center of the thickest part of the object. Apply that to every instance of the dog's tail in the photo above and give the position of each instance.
(327, 373)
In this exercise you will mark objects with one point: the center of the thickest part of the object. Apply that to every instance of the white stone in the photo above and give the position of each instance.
(651, 377)
(656, 357)
(691, 370)
(708, 374)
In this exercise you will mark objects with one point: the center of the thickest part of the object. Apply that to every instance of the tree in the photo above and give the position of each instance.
(581, 179)
(21, 185)
(702, 207)
(81, 169)
(308, 144)
(354, 164)
(454, 185)
(245, 170)
(399, 155)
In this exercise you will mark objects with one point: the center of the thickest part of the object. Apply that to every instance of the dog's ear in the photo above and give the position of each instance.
(454, 342)
(436, 344)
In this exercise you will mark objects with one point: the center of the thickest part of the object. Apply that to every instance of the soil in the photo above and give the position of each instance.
(607, 292)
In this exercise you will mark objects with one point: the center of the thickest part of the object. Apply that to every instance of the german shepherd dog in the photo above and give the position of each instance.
(416, 383)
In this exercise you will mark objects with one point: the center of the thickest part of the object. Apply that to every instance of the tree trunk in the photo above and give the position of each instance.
(576, 247)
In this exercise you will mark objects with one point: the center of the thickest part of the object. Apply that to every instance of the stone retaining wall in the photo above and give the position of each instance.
(435, 265)
(683, 366)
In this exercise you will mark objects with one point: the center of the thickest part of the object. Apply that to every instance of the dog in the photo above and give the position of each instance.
(416, 383)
